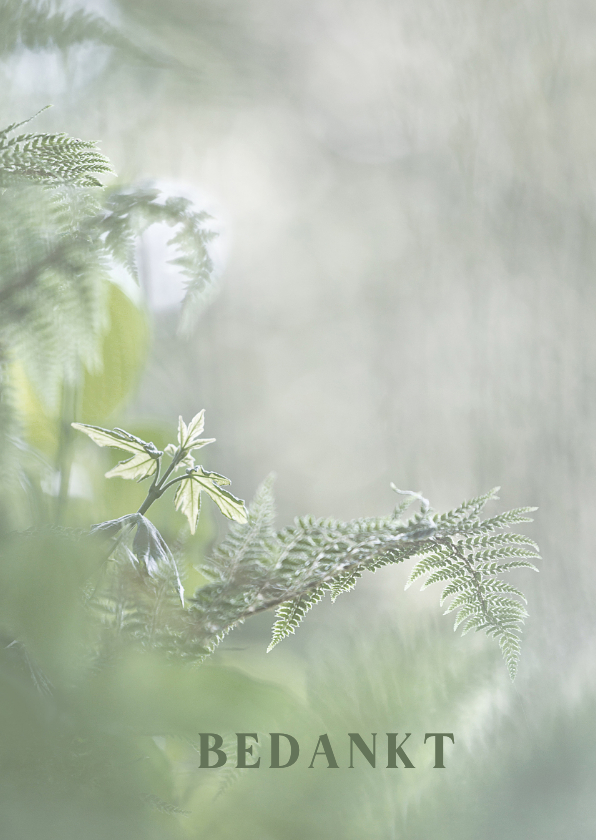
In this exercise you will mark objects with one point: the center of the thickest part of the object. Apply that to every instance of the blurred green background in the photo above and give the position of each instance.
(404, 195)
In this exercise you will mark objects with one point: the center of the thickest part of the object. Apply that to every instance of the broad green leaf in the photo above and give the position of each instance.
(140, 466)
(40, 428)
(188, 501)
(123, 356)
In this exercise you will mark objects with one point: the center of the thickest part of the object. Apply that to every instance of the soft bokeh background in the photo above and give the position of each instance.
(405, 199)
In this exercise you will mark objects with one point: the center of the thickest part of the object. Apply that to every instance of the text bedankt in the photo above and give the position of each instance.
(285, 750)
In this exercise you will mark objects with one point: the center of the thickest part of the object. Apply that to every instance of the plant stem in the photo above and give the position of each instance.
(159, 487)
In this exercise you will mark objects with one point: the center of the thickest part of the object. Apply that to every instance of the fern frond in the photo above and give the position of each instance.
(51, 159)
(290, 614)
(470, 565)
(504, 520)
(436, 560)
(345, 583)
(129, 212)
(248, 545)
(466, 511)
(494, 540)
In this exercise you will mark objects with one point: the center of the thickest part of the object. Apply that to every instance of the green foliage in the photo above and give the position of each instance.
(146, 461)
(257, 569)
(145, 455)
(468, 561)
(453, 548)
(61, 236)
(35, 25)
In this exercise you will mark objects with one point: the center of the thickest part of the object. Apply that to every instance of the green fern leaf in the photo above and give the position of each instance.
(290, 614)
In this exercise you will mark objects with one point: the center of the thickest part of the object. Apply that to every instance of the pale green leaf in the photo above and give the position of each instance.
(188, 501)
(228, 504)
(140, 466)
(216, 477)
(182, 432)
(196, 426)
(188, 436)
(114, 437)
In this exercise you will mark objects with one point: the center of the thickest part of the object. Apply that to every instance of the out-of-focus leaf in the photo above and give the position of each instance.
(147, 693)
(123, 355)
(39, 426)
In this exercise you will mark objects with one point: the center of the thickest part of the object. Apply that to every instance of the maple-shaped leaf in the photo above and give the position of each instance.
(144, 459)
(188, 501)
(140, 466)
(188, 496)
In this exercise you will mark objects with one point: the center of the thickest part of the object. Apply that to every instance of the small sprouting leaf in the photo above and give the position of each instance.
(195, 427)
(112, 528)
(216, 477)
(147, 549)
(143, 548)
(188, 436)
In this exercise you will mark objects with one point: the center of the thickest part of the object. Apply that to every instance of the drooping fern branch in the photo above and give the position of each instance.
(256, 568)
(459, 548)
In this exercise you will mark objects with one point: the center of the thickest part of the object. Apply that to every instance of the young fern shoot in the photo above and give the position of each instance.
(148, 547)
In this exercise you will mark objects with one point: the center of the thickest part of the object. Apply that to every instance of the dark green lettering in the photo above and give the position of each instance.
(243, 750)
(205, 749)
(358, 740)
(438, 736)
(294, 750)
(393, 750)
(327, 751)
